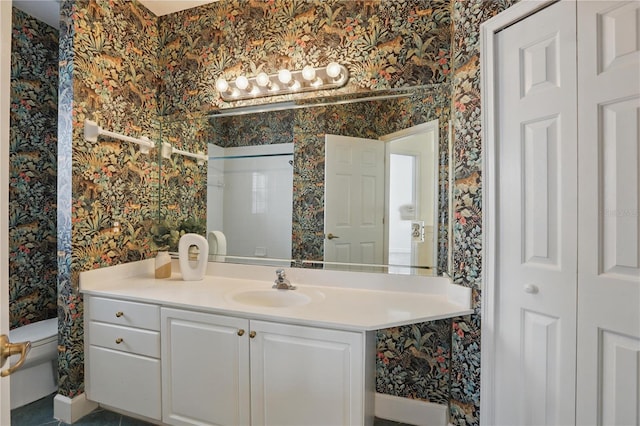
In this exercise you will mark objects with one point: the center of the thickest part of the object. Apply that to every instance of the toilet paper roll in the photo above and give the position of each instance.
(217, 245)
(193, 270)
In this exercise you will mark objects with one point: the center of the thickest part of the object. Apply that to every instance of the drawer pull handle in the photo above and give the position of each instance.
(119, 314)
(252, 334)
(240, 332)
(119, 340)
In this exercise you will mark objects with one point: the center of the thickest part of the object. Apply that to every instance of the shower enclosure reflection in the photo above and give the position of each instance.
(249, 201)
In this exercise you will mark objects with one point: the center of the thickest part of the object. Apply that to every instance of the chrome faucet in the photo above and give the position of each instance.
(281, 282)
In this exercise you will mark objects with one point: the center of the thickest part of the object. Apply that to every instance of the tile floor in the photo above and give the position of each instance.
(40, 413)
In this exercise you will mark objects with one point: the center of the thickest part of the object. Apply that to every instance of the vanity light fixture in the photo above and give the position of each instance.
(285, 81)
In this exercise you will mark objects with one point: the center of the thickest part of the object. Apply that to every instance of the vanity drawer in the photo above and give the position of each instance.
(126, 339)
(132, 314)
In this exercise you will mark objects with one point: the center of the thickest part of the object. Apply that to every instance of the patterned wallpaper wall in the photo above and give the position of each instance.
(107, 191)
(32, 171)
(109, 72)
(467, 230)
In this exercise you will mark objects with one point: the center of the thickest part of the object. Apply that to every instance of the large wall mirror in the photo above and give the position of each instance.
(351, 183)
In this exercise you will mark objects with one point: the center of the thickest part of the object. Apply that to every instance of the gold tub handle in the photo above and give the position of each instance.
(8, 349)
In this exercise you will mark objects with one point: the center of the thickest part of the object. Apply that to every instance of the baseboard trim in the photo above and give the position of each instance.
(70, 410)
(411, 411)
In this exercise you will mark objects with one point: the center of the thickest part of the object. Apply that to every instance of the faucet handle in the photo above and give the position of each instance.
(281, 274)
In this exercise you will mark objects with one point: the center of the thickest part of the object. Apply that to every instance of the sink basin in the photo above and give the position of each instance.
(271, 298)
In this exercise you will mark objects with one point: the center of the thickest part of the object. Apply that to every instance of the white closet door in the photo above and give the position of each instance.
(609, 223)
(536, 217)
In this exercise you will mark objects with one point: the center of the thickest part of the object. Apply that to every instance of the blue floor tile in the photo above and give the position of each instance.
(40, 413)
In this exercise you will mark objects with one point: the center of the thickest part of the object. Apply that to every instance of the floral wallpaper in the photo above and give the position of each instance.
(183, 182)
(33, 169)
(464, 403)
(135, 73)
(108, 190)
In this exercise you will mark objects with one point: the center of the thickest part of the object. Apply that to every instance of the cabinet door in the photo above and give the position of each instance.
(306, 376)
(123, 380)
(205, 369)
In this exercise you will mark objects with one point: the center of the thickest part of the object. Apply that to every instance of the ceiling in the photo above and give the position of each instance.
(164, 7)
(49, 10)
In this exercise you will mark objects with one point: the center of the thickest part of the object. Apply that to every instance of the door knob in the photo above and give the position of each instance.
(330, 236)
(531, 288)
(7, 349)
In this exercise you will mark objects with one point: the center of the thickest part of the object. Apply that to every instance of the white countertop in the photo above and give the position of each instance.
(338, 300)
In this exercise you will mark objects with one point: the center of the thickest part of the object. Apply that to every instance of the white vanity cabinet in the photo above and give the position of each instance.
(122, 365)
(221, 370)
(229, 350)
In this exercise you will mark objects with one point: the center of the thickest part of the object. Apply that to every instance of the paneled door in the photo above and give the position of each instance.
(535, 346)
(608, 390)
(354, 200)
(563, 287)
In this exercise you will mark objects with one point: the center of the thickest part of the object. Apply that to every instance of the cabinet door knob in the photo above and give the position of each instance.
(119, 340)
(252, 334)
(240, 332)
(119, 314)
(531, 288)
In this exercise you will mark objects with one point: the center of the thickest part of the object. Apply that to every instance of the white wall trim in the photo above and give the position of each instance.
(411, 411)
(69, 410)
(488, 32)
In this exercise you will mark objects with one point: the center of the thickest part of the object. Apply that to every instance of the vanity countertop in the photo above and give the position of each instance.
(334, 300)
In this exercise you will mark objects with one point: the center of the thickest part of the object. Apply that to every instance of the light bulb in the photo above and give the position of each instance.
(263, 79)
(308, 73)
(284, 75)
(242, 82)
(334, 70)
(222, 85)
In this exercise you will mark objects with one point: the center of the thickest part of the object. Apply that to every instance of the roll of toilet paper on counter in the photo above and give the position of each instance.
(193, 270)
(217, 245)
